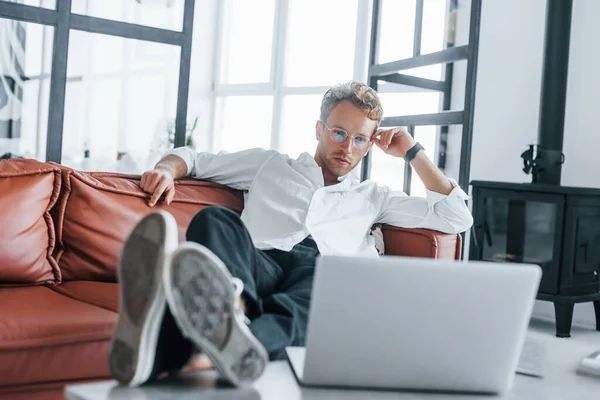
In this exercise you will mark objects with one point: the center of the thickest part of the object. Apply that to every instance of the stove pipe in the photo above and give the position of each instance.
(547, 165)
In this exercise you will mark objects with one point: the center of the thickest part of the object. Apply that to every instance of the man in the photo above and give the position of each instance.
(295, 209)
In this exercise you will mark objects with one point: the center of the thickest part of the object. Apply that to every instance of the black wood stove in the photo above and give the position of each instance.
(544, 223)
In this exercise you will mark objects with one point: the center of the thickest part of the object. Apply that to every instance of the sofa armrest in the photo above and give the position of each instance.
(410, 242)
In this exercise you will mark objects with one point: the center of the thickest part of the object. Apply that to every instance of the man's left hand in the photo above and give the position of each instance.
(395, 141)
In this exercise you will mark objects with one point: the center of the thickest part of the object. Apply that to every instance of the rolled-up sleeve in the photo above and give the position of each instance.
(187, 154)
(440, 212)
(236, 170)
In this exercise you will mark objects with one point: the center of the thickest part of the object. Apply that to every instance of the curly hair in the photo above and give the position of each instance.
(357, 93)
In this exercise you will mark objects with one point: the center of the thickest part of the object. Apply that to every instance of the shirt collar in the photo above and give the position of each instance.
(306, 159)
(350, 179)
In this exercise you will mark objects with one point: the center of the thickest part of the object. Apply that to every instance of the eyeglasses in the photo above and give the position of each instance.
(339, 135)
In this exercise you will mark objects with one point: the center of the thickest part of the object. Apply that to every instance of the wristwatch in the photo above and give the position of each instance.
(410, 154)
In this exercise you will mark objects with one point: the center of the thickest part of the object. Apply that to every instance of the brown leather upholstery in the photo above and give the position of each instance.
(97, 211)
(34, 392)
(100, 294)
(28, 189)
(421, 243)
(51, 336)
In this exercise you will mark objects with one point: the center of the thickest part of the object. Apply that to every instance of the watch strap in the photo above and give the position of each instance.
(412, 153)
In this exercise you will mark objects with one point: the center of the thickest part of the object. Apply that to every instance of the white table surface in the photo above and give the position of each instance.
(560, 380)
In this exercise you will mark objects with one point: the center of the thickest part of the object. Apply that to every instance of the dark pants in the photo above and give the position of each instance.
(277, 284)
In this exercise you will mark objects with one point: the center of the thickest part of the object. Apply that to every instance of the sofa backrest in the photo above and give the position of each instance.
(97, 211)
(60, 224)
(28, 190)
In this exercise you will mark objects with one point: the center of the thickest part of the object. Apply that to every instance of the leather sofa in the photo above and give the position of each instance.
(61, 232)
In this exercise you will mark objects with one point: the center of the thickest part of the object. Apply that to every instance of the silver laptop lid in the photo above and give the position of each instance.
(414, 323)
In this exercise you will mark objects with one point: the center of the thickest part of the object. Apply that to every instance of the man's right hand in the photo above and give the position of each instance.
(157, 182)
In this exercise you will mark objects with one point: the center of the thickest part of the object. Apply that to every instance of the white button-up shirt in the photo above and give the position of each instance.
(286, 200)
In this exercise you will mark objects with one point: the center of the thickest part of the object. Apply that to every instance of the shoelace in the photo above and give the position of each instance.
(239, 289)
(239, 286)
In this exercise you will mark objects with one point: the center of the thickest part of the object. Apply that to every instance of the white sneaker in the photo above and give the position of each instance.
(203, 300)
(142, 301)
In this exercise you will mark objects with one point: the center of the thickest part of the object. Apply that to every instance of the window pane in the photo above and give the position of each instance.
(166, 14)
(243, 122)
(434, 22)
(457, 95)
(458, 22)
(119, 116)
(427, 136)
(399, 104)
(429, 72)
(25, 62)
(35, 3)
(247, 41)
(387, 170)
(300, 114)
(396, 37)
(397, 30)
(321, 40)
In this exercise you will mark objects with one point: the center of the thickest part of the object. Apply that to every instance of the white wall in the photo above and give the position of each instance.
(508, 88)
(582, 119)
(508, 96)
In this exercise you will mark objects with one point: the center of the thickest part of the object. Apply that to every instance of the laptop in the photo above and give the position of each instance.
(403, 323)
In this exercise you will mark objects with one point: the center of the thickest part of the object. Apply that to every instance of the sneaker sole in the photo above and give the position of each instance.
(199, 291)
(142, 300)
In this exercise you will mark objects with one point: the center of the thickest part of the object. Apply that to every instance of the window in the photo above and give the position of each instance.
(120, 100)
(273, 70)
(397, 21)
(313, 26)
(277, 59)
(112, 70)
(24, 87)
(433, 35)
(397, 33)
(426, 135)
(125, 94)
(247, 41)
(397, 42)
(34, 3)
(165, 14)
(299, 116)
(245, 122)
